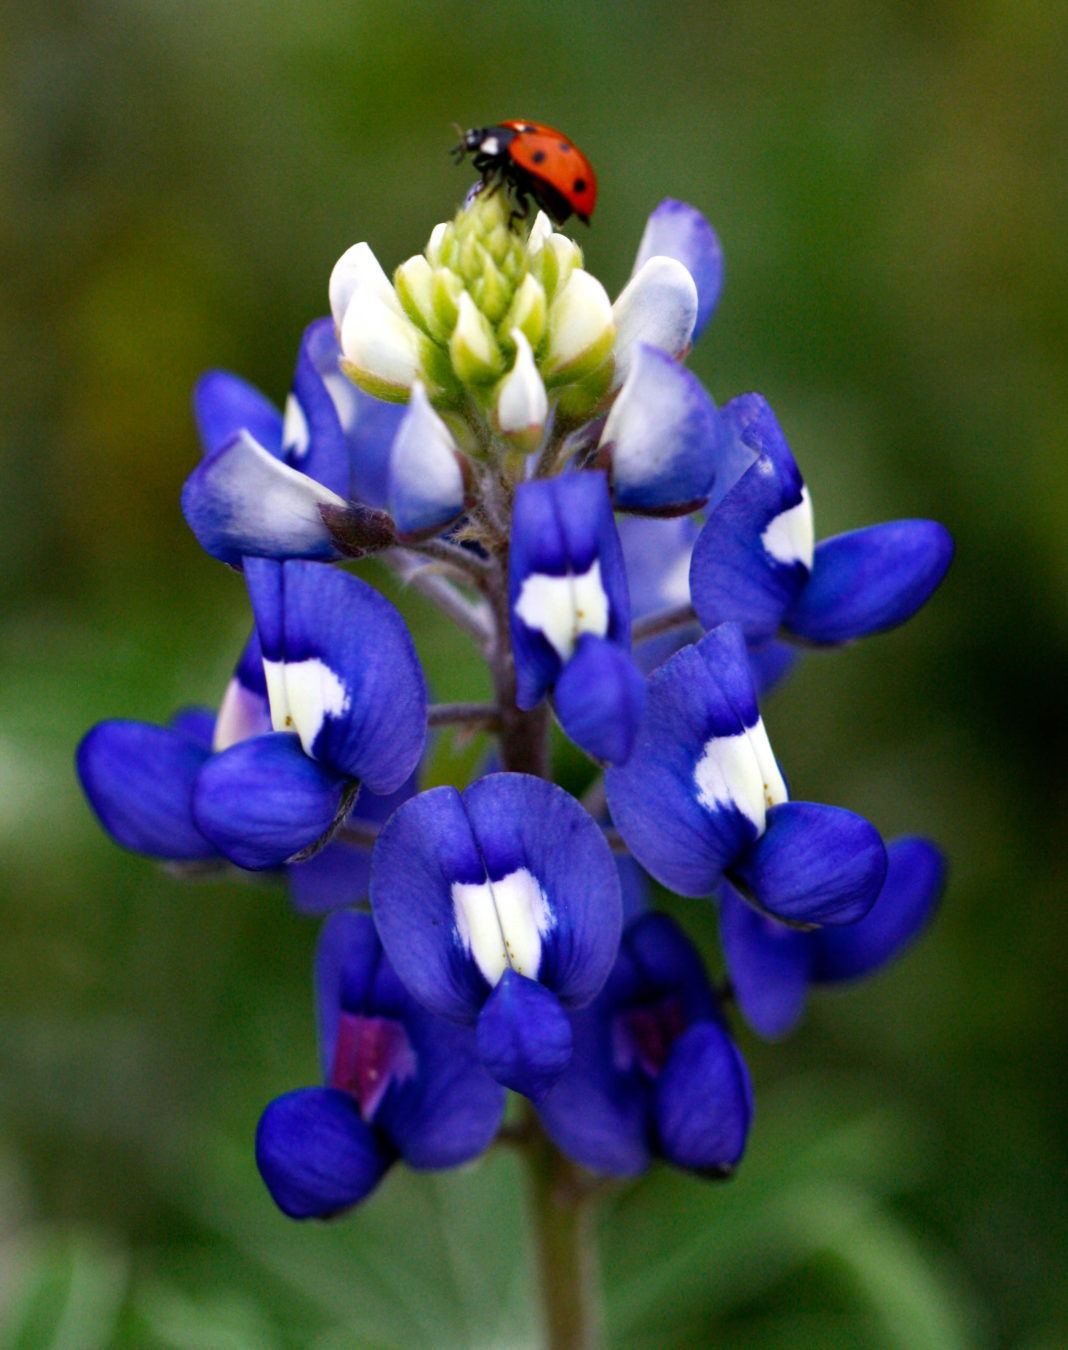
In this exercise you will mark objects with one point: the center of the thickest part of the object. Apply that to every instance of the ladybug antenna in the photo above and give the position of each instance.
(458, 150)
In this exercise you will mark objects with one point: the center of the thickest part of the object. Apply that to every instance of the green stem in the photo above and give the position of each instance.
(566, 1252)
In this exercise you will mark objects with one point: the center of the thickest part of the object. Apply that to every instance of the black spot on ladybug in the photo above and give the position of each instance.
(579, 185)
(538, 156)
(566, 145)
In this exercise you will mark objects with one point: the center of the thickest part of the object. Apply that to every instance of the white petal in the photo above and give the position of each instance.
(740, 771)
(658, 306)
(791, 536)
(562, 608)
(295, 435)
(522, 403)
(380, 341)
(426, 485)
(302, 695)
(241, 715)
(501, 923)
(580, 321)
(358, 269)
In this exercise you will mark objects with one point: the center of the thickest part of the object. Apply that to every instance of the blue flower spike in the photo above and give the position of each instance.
(772, 967)
(702, 797)
(400, 1083)
(756, 563)
(654, 1072)
(500, 907)
(569, 606)
(476, 419)
(348, 706)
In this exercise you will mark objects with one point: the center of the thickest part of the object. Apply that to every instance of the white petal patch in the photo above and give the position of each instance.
(501, 923)
(563, 608)
(740, 771)
(302, 695)
(295, 434)
(791, 536)
(242, 714)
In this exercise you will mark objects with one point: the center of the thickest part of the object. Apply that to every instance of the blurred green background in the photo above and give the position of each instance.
(890, 182)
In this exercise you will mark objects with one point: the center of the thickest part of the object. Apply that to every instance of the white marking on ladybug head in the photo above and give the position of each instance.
(490, 146)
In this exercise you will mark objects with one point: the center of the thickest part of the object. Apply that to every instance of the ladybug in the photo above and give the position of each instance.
(534, 161)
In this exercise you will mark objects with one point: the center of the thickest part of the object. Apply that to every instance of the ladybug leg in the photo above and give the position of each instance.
(521, 210)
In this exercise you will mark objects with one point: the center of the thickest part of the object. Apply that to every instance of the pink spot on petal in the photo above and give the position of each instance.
(371, 1053)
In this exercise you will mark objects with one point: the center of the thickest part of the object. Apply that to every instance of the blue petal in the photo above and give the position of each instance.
(596, 1115)
(915, 879)
(704, 1102)
(663, 436)
(748, 564)
(814, 864)
(600, 698)
(451, 1111)
(350, 677)
(425, 848)
(316, 1154)
(242, 500)
(664, 959)
(747, 429)
(264, 800)
(198, 724)
(524, 1037)
(675, 230)
(139, 780)
(702, 693)
(768, 964)
(869, 580)
(370, 427)
(561, 527)
(224, 404)
(320, 450)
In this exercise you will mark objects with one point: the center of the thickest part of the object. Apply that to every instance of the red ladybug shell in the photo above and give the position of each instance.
(535, 161)
(552, 159)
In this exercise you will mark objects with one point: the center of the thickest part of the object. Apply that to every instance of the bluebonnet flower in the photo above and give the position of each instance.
(499, 907)
(702, 797)
(348, 706)
(772, 966)
(570, 612)
(266, 481)
(654, 1072)
(755, 563)
(399, 1083)
(332, 670)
